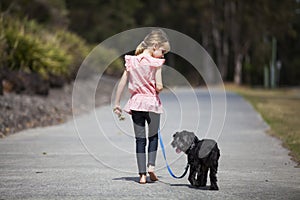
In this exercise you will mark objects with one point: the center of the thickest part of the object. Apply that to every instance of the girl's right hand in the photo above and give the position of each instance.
(118, 111)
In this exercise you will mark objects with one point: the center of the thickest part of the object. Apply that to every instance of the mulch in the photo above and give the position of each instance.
(21, 111)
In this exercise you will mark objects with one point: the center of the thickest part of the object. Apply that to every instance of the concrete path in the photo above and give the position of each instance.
(95, 159)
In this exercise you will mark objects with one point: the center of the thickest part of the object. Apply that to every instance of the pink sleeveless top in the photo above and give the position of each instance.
(142, 86)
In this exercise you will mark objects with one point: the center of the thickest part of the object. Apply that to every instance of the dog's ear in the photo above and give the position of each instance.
(191, 133)
(174, 134)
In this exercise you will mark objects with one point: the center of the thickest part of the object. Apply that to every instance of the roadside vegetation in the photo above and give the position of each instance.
(280, 108)
(34, 58)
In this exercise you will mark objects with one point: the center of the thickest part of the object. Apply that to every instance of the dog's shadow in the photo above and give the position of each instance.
(136, 180)
(190, 186)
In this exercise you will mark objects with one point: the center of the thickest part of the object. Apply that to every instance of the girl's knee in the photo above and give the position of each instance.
(153, 137)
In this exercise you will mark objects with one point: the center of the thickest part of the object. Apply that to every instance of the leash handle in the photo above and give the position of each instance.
(164, 154)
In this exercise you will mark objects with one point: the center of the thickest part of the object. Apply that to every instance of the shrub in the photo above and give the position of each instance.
(29, 48)
(55, 55)
(76, 48)
(105, 55)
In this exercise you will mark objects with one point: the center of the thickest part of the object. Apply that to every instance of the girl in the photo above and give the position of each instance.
(145, 82)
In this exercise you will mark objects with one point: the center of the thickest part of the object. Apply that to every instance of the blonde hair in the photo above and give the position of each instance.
(156, 37)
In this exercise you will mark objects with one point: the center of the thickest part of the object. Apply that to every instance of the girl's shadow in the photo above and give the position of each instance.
(137, 179)
(132, 179)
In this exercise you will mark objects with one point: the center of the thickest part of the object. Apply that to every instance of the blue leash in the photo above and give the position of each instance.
(164, 154)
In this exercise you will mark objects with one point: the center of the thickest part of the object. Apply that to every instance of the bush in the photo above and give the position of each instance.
(105, 55)
(54, 55)
(28, 47)
(31, 49)
(76, 48)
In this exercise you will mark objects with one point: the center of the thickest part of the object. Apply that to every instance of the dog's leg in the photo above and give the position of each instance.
(192, 175)
(213, 176)
(203, 177)
(198, 179)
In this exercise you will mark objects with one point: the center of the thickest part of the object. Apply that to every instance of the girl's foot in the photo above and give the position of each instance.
(153, 176)
(143, 178)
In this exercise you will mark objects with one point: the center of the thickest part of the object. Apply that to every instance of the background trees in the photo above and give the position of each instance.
(237, 34)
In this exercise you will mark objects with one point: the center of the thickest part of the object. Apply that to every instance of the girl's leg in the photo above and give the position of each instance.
(138, 119)
(153, 137)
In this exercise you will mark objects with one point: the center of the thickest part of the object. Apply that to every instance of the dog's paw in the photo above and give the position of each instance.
(193, 182)
(202, 185)
(214, 187)
(197, 184)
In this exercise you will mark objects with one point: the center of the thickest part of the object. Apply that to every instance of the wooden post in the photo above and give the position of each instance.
(266, 77)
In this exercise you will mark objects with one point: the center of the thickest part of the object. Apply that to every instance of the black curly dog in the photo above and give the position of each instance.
(203, 155)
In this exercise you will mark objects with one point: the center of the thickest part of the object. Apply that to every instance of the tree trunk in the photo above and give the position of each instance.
(224, 59)
(1, 80)
(1, 87)
(217, 43)
(220, 18)
(238, 69)
(225, 38)
(206, 60)
(235, 38)
(206, 42)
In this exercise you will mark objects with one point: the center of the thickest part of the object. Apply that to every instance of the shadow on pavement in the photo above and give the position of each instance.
(136, 180)
(187, 185)
(133, 179)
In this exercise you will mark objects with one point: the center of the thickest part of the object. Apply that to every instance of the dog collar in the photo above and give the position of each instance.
(192, 145)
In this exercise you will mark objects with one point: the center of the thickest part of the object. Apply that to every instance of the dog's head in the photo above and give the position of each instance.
(182, 141)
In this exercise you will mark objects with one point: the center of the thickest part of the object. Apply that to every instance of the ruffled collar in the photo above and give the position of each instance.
(147, 56)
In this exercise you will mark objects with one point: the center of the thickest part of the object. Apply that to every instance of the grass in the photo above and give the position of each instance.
(280, 108)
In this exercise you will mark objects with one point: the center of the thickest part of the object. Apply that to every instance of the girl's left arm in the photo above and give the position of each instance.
(158, 79)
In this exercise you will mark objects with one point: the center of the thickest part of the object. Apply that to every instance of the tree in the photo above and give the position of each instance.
(236, 33)
(97, 20)
(254, 22)
(50, 13)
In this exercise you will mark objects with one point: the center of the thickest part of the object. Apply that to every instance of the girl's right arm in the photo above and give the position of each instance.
(121, 86)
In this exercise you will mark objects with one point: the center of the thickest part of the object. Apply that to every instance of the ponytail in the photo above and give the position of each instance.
(140, 48)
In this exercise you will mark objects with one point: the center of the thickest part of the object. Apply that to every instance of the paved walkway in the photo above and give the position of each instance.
(97, 161)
